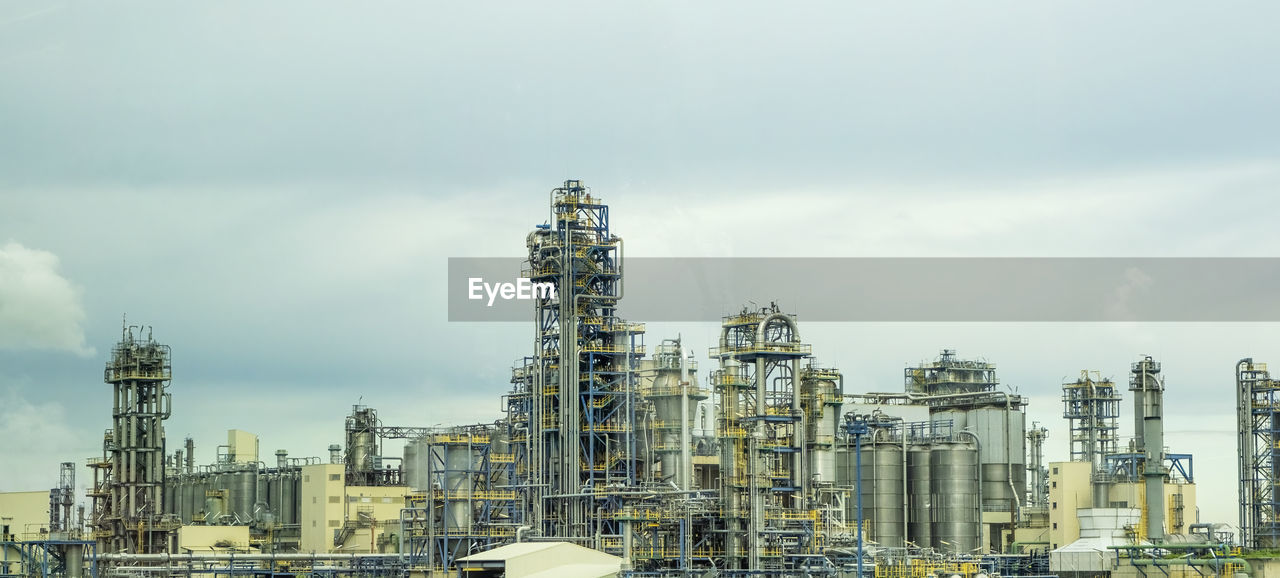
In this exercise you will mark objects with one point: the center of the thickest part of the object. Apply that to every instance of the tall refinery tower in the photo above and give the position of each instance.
(128, 484)
(582, 449)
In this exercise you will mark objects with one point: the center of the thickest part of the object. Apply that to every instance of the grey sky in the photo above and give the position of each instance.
(277, 187)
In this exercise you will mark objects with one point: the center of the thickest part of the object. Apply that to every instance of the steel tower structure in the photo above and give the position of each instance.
(762, 429)
(128, 490)
(582, 449)
(1258, 427)
(1091, 406)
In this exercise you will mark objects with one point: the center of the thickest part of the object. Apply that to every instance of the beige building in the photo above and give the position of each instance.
(242, 446)
(213, 539)
(1070, 490)
(23, 516)
(355, 519)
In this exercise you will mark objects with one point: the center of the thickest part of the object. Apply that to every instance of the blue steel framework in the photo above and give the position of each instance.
(1258, 424)
(48, 558)
(583, 393)
(471, 506)
(1128, 467)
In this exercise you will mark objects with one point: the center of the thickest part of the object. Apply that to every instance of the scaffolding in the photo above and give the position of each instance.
(1091, 406)
(1258, 425)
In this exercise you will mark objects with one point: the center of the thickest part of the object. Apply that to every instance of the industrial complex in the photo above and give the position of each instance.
(625, 454)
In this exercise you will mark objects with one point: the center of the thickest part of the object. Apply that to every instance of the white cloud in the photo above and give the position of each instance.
(39, 308)
(38, 436)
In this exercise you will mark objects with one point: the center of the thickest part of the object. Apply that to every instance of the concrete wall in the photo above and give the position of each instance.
(25, 514)
(205, 539)
(322, 506)
(1068, 491)
(243, 446)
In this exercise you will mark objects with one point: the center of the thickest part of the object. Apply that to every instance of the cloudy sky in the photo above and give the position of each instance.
(276, 188)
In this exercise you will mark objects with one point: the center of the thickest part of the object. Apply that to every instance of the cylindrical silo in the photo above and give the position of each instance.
(262, 495)
(274, 492)
(883, 493)
(500, 444)
(457, 482)
(244, 490)
(919, 495)
(956, 417)
(1002, 455)
(954, 499)
(821, 428)
(292, 490)
(171, 505)
(417, 472)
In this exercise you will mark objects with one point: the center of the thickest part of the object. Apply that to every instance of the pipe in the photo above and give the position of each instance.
(1215, 563)
(287, 557)
(977, 444)
(1244, 433)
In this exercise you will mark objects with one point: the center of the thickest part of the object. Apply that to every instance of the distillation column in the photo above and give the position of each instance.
(764, 454)
(1148, 387)
(581, 446)
(1039, 478)
(1258, 423)
(128, 491)
(675, 395)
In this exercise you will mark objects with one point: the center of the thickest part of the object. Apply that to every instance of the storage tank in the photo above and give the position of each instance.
(292, 491)
(1002, 456)
(191, 505)
(171, 502)
(919, 495)
(674, 395)
(263, 497)
(417, 472)
(955, 416)
(500, 444)
(273, 492)
(184, 499)
(455, 479)
(244, 492)
(883, 495)
(821, 427)
(954, 500)
(219, 481)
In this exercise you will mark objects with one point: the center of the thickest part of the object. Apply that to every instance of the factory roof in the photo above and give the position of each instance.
(545, 560)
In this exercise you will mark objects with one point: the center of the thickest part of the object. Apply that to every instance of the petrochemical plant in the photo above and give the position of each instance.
(614, 459)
